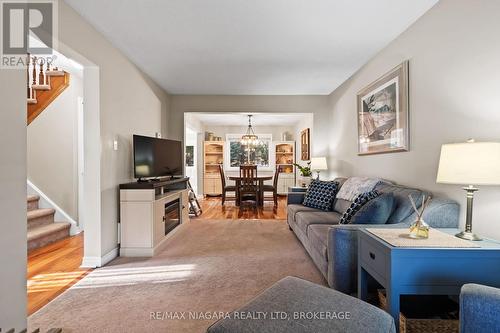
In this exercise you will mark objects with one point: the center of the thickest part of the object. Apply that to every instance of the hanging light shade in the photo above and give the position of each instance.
(249, 139)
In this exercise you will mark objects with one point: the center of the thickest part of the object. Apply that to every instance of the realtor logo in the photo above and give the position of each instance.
(27, 27)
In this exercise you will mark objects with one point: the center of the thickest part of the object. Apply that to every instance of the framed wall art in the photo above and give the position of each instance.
(383, 114)
(305, 147)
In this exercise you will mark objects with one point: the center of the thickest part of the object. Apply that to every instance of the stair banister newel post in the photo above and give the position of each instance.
(42, 78)
(34, 71)
(28, 76)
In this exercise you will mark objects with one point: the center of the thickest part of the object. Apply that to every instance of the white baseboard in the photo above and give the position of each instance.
(136, 252)
(60, 215)
(93, 262)
(109, 256)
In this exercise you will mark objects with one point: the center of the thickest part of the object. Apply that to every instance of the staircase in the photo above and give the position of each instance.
(42, 229)
(44, 84)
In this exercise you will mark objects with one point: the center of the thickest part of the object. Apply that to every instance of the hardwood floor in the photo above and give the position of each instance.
(213, 209)
(52, 269)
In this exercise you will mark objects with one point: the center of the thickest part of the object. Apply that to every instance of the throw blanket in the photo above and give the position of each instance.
(355, 186)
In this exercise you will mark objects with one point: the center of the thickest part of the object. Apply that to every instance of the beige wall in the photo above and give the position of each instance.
(53, 148)
(130, 103)
(308, 122)
(12, 199)
(454, 57)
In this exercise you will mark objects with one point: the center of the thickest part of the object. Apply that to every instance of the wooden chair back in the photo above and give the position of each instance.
(222, 176)
(275, 179)
(248, 178)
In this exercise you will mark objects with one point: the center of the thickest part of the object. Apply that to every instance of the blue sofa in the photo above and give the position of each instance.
(479, 309)
(333, 246)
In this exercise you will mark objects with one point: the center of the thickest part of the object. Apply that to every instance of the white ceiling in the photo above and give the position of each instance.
(250, 47)
(241, 119)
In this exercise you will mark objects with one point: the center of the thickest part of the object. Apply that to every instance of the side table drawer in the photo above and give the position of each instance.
(374, 257)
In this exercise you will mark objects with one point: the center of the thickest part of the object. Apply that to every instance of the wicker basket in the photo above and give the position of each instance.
(414, 325)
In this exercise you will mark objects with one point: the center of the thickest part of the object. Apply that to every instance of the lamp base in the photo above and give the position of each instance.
(468, 236)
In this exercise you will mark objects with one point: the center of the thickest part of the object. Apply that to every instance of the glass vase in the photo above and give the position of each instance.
(419, 229)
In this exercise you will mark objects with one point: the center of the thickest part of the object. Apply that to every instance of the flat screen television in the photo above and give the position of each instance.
(154, 158)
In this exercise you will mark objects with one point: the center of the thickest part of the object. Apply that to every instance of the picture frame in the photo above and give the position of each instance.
(383, 113)
(189, 156)
(305, 147)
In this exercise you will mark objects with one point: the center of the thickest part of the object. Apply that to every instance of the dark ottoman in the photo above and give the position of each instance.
(296, 305)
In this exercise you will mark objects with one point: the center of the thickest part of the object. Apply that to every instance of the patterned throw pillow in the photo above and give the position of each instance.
(356, 205)
(320, 194)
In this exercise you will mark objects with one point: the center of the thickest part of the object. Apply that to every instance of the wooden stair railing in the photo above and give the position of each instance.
(43, 84)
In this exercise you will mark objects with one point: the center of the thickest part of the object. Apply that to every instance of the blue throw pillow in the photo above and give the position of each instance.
(369, 208)
(320, 194)
(375, 211)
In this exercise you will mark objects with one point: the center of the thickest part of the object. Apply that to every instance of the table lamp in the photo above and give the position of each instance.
(318, 164)
(471, 163)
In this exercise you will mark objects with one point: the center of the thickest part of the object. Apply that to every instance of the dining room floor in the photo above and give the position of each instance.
(213, 209)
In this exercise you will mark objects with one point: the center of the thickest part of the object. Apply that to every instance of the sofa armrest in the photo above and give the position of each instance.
(342, 255)
(479, 309)
(296, 198)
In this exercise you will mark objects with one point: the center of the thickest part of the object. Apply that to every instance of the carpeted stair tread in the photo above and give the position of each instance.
(33, 197)
(47, 229)
(33, 201)
(41, 212)
(42, 230)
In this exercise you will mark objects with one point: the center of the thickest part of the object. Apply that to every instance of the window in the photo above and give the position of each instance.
(237, 153)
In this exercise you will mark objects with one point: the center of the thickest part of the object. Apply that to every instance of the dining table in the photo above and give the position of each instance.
(259, 179)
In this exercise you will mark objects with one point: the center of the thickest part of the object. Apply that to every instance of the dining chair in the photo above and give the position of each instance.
(249, 186)
(226, 188)
(274, 187)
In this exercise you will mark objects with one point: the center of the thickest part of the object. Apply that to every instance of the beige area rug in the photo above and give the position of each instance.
(208, 266)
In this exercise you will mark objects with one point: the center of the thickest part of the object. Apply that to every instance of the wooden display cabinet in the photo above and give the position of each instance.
(213, 156)
(285, 158)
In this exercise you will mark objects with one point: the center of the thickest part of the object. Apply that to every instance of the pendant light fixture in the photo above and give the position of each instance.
(249, 139)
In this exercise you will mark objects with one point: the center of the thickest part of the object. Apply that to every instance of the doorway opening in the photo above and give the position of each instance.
(215, 149)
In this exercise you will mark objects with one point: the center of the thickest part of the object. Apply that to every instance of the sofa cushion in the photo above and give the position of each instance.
(356, 206)
(318, 238)
(304, 219)
(402, 206)
(321, 194)
(341, 205)
(293, 209)
(375, 211)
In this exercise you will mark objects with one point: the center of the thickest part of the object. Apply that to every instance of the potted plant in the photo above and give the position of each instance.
(305, 174)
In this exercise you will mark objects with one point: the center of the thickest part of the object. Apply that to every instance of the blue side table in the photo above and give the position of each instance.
(424, 271)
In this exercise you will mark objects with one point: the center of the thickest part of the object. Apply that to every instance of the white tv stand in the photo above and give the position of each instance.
(149, 215)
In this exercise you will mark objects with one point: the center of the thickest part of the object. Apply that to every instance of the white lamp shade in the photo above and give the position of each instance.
(471, 163)
(318, 163)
